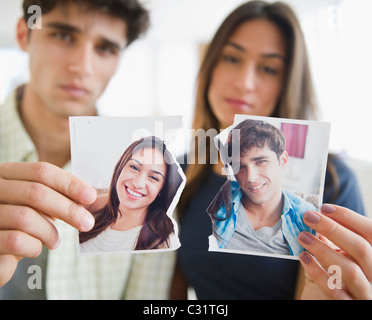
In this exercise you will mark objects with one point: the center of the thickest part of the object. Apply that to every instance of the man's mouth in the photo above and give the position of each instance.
(257, 188)
(75, 91)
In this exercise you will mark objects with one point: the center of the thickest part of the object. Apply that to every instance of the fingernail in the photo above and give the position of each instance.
(305, 257)
(327, 208)
(88, 222)
(57, 244)
(89, 196)
(306, 238)
(311, 217)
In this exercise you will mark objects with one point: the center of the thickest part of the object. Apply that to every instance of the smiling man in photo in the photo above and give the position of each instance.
(254, 213)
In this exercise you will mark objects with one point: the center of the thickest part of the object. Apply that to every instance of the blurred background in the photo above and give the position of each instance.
(158, 72)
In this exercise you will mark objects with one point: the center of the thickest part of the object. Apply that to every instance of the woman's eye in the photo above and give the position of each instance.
(269, 70)
(155, 179)
(230, 59)
(133, 167)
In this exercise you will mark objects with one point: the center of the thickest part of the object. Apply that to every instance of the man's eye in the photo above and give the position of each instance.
(107, 50)
(63, 36)
(259, 162)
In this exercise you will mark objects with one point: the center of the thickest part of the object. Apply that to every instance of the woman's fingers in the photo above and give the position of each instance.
(349, 254)
(349, 219)
(321, 278)
(347, 272)
(354, 244)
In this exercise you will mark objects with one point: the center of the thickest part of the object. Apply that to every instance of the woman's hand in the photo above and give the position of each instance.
(347, 256)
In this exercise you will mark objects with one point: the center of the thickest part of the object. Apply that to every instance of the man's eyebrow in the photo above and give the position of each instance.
(63, 27)
(112, 44)
(71, 29)
(258, 158)
(265, 55)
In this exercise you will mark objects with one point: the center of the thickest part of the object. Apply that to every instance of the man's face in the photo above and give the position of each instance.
(259, 175)
(72, 58)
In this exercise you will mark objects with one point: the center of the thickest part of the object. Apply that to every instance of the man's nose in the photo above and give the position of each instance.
(252, 174)
(82, 60)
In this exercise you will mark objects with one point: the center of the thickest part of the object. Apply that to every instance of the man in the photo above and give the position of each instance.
(254, 213)
(72, 59)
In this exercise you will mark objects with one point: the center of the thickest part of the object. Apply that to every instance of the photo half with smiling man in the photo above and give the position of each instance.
(275, 171)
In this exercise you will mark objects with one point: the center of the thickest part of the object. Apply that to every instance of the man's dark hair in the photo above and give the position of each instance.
(257, 133)
(132, 12)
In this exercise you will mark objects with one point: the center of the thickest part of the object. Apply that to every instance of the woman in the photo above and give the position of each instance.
(134, 217)
(256, 64)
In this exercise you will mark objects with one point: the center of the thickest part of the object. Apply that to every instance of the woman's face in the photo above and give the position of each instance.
(249, 76)
(141, 180)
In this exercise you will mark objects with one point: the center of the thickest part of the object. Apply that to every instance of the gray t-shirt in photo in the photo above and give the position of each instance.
(264, 240)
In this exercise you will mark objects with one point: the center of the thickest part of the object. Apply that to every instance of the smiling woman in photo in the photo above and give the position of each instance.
(134, 216)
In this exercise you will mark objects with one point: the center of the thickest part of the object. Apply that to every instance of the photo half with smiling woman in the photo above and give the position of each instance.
(275, 172)
(138, 181)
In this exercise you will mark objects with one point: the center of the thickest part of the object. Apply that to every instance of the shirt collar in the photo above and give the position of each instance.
(287, 204)
(15, 143)
(236, 195)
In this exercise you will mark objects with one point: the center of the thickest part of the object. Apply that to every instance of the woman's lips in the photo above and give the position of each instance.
(133, 193)
(238, 104)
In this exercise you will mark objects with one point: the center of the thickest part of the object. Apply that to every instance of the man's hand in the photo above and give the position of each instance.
(32, 195)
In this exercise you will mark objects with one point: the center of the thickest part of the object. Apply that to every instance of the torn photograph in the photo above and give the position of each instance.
(275, 172)
(137, 178)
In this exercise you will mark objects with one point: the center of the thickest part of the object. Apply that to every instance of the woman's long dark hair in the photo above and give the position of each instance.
(297, 101)
(157, 226)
